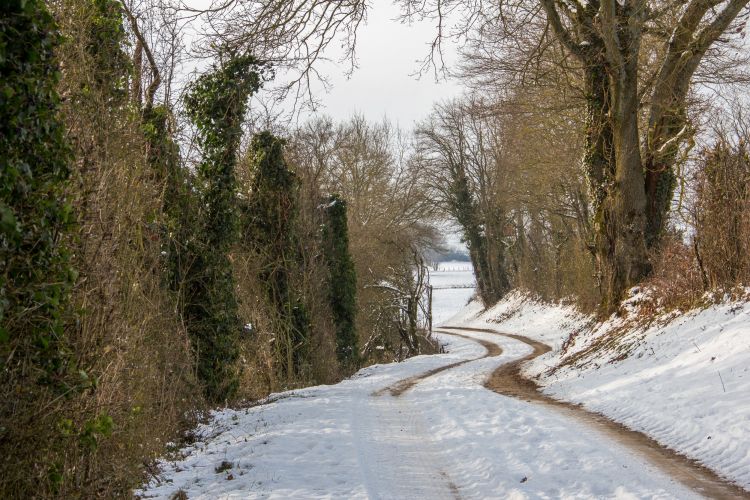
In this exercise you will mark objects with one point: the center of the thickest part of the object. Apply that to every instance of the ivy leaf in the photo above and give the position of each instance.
(8, 222)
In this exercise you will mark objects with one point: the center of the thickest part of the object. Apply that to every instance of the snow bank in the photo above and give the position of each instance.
(684, 379)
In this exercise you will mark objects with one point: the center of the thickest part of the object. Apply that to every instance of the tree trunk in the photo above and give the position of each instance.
(666, 125)
(478, 252)
(496, 255)
(135, 90)
(598, 158)
(466, 213)
(620, 235)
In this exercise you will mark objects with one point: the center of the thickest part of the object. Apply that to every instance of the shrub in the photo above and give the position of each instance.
(36, 276)
(722, 232)
(271, 227)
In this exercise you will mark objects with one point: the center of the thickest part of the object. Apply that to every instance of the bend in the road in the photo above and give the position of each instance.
(400, 387)
(509, 381)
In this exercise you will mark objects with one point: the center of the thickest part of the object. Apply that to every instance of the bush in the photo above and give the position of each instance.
(36, 276)
(722, 221)
(271, 227)
(35, 271)
(124, 384)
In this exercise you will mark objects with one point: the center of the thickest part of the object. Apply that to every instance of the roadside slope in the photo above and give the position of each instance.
(684, 380)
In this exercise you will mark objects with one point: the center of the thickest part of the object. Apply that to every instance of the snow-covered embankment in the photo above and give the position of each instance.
(683, 380)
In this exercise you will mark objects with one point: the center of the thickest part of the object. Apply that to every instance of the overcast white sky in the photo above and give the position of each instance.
(384, 85)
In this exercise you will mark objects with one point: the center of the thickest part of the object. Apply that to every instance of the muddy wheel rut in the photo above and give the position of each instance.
(508, 381)
(404, 385)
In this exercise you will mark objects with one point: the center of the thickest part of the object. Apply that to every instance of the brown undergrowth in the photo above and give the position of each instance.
(135, 389)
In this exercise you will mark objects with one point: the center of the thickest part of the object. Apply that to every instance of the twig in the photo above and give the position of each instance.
(722, 381)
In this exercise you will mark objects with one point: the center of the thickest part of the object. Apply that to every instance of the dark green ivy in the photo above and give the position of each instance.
(35, 272)
(343, 281)
(216, 104)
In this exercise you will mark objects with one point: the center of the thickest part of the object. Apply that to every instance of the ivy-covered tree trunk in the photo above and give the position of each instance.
(466, 213)
(667, 130)
(496, 252)
(614, 171)
(271, 227)
(343, 281)
(621, 244)
(598, 158)
(178, 201)
(216, 103)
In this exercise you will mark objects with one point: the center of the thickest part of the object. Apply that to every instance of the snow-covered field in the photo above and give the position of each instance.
(453, 286)
(685, 382)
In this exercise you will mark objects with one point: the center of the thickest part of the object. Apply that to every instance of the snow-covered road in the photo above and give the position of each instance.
(445, 437)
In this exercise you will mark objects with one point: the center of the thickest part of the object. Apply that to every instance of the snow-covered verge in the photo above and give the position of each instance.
(684, 379)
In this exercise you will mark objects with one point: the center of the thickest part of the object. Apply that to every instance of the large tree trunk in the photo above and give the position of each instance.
(598, 158)
(666, 129)
(620, 245)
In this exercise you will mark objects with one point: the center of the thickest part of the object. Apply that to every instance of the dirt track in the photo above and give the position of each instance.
(508, 381)
(404, 385)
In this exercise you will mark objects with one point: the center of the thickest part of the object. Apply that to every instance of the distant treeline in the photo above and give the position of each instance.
(433, 256)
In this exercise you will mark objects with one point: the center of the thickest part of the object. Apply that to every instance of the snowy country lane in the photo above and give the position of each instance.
(444, 436)
(508, 380)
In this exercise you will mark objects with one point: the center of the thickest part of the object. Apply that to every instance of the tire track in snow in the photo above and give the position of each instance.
(403, 461)
(396, 454)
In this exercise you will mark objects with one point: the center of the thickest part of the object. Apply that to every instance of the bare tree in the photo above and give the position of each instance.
(389, 213)
(463, 153)
(295, 36)
(630, 170)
